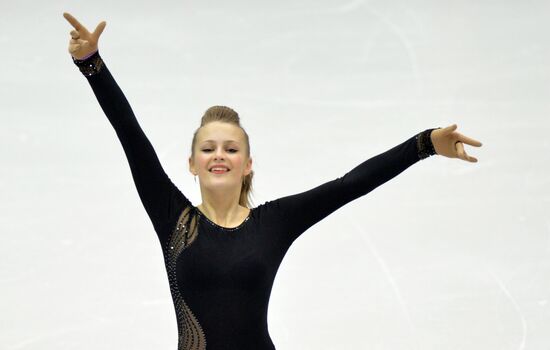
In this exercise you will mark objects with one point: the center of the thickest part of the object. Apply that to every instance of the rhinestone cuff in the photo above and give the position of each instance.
(91, 65)
(424, 145)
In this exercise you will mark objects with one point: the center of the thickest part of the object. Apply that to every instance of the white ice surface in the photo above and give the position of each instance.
(448, 255)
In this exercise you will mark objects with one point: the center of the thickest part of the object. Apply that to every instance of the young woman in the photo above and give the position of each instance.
(221, 257)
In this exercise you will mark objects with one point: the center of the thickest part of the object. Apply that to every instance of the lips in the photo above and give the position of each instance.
(219, 168)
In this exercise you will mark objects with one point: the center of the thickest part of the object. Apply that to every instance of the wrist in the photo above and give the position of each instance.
(90, 64)
(87, 56)
(424, 144)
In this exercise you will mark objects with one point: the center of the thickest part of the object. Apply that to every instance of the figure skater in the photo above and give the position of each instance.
(222, 256)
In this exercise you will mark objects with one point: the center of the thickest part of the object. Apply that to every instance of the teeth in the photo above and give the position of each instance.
(222, 169)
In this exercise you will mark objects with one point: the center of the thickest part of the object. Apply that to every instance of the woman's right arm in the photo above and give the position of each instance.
(159, 195)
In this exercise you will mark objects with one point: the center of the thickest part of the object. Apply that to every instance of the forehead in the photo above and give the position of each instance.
(220, 132)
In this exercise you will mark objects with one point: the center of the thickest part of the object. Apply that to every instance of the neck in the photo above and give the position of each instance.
(223, 209)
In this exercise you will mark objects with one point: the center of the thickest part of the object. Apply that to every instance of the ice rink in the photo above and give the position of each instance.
(449, 255)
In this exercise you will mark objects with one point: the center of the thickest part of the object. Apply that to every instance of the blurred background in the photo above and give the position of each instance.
(447, 255)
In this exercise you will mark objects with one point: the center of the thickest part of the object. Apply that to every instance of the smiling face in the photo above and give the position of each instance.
(222, 144)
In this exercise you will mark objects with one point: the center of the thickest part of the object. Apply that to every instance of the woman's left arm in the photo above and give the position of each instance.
(300, 211)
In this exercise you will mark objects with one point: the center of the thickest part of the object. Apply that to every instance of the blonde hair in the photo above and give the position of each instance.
(227, 115)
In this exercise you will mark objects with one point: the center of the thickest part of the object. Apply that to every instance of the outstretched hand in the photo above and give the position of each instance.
(83, 42)
(450, 144)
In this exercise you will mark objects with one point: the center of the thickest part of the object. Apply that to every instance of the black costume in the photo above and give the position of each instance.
(221, 278)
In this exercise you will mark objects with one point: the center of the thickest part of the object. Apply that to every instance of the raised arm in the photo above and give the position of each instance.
(159, 196)
(301, 211)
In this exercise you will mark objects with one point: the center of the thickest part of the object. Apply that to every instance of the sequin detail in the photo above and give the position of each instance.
(190, 332)
(200, 213)
(91, 65)
(424, 145)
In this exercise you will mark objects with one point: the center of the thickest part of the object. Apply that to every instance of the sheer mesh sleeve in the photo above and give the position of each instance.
(158, 194)
(301, 211)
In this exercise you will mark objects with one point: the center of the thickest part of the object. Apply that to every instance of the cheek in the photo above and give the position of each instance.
(238, 161)
(201, 161)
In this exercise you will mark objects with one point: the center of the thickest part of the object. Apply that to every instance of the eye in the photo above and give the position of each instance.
(232, 150)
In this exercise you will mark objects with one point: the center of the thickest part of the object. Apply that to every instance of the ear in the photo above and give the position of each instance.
(248, 167)
(191, 166)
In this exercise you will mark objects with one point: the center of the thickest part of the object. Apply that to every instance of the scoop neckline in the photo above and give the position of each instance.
(223, 227)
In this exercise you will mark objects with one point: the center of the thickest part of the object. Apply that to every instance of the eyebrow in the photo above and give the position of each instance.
(226, 141)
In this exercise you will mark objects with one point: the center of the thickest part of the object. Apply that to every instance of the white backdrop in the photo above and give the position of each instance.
(447, 255)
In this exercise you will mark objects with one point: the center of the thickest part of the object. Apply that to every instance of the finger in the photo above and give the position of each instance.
(469, 141)
(99, 29)
(460, 150)
(469, 158)
(78, 41)
(74, 48)
(85, 44)
(448, 130)
(462, 153)
(75, 34)
(73, 21)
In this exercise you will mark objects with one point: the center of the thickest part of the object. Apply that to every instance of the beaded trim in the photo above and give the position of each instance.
(91, 65)
(201, 214)
(190, 333)
(424, 145)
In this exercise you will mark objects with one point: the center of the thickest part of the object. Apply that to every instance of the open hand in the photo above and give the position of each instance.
(450, 144)
(83, 42)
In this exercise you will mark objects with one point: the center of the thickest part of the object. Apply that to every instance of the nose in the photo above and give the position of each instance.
(219, 153)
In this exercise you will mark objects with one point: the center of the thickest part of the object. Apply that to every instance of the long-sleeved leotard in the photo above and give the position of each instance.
(221, 278)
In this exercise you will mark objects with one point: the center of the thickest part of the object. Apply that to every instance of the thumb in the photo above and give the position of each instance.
(450, 129)
(99, 29)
